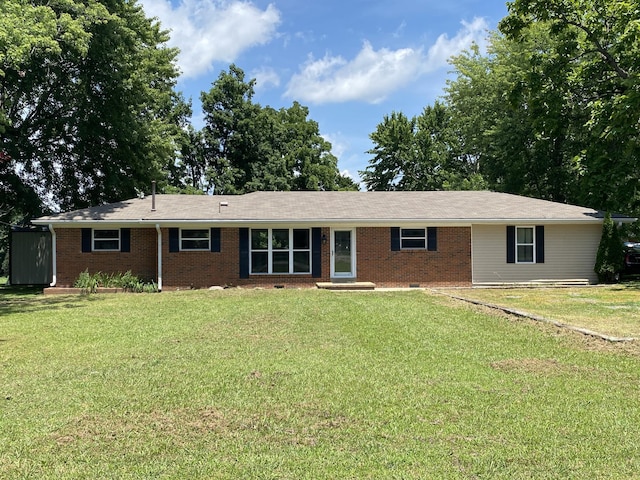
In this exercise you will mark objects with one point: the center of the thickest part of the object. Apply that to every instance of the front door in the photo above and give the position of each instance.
(343, 253)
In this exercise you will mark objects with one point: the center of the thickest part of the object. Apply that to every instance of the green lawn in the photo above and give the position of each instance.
(288, 384)
(610, 310)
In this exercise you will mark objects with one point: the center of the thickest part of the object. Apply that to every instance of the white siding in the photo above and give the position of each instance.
(570, 254)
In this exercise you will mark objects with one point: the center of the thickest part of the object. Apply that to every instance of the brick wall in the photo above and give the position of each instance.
(449, 265)
(204, 269)
(141, 260)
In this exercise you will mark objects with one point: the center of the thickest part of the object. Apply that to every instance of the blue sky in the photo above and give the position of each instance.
(351, 61)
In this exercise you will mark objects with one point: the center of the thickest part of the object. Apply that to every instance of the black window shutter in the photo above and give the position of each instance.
(432, 239)
(316, 252)
(244, 252)
(395, 239)
(215, 239)
(174, 240)
(125, 240)
(539, 243)
(511, 244)
(86, 240)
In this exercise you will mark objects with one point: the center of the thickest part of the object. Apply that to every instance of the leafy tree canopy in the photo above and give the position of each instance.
(88, 113)
(597, 45)
(421, 153)
(246, 147)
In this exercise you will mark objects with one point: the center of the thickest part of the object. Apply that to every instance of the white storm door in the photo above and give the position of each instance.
(343, 253)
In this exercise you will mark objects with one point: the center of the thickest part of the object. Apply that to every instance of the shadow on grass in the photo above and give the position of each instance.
(629, 282)
(31, 299)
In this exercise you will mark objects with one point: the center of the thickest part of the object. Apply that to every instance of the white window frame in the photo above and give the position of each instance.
(95, 241)
(532, 244)
(423, 238)
(270, 251)
(208, 238)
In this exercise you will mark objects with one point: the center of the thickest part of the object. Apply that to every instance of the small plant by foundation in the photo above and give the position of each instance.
(89, 283)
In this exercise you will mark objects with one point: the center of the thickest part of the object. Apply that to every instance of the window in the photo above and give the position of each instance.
(419, 239)
(106, 240)
(280, 250)
(525, 245)
(413, 238)
(194, 239)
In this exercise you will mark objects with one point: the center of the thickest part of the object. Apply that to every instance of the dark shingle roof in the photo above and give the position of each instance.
(327, 207)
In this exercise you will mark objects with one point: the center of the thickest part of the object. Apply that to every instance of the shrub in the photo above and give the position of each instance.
(87, 282)
(610, 254)
(127, 281)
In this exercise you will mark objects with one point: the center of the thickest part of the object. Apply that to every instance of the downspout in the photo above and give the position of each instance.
(54, 257)
(159, 257)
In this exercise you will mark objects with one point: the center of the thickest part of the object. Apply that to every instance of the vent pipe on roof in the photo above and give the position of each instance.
(153, 196)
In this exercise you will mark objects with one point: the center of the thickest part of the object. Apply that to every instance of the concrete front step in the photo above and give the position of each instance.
(344, 286)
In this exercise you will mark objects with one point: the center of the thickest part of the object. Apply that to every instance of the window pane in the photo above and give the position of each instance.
(301, 263)
(280, 238)
(259, 239)
(412, 232)
(301, 239)
(259, 262)
(195, 244)
(195, 233)
(413, 243)
(98, 234)
(525, 235)
(525, 253)
(106, 245)
(280, 262)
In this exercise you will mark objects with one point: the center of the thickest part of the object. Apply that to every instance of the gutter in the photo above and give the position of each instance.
(159, 256)
(54, 257)
(364, 222)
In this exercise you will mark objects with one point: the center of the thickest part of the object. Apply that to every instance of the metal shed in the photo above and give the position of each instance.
(30, 261)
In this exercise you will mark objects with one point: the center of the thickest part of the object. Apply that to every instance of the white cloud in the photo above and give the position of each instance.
(444, 48)
(206, 31)
(265, 77)
(370, 76)
(338, 147)
(373, 74)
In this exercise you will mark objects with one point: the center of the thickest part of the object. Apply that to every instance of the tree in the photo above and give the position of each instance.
(248, 147)
(88, 113)
(601, 40)
(610, 253)
(516, 116)
(421, 153)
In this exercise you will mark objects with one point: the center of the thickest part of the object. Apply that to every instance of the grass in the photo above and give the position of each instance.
(611, 310)
(310, 384)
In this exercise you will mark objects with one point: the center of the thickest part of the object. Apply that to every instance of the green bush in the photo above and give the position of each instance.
(610, 254)
(127, 281)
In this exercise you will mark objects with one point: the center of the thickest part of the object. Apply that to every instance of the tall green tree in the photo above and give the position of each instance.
(610, 253)
(421, 153)
(248, 147)
(516, 116)
(601, 41)
(88, 111)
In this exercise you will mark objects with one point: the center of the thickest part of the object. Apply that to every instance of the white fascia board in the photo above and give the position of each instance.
(320, 222)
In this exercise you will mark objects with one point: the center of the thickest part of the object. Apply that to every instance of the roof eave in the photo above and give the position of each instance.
(326, 221)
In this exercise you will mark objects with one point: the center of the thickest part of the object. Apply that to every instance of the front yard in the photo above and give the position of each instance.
(286, 384)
